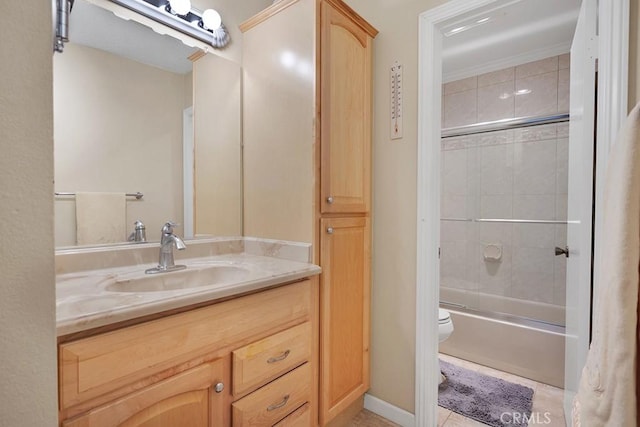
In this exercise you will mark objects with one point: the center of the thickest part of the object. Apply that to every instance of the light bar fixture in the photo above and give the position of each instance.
(61, 11)
(205, 26)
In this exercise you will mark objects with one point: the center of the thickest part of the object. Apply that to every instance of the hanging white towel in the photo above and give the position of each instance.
(607, 392)
(100, 218)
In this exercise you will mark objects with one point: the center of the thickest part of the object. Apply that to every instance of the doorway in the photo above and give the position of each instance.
(612, 83)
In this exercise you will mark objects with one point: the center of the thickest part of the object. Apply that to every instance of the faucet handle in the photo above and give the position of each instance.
(168, 227)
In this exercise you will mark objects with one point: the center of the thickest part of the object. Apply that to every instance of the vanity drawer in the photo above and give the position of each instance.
(264, 360)
(109, 365)
(274, 401)
(300, 418)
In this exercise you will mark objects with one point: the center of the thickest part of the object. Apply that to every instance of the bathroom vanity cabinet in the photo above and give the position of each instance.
(307, 151)
(245, 361)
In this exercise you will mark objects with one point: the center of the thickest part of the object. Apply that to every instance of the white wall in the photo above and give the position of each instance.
(634, 53)
(394, 201)
(218, 156)
(27, 293)
(278, 174)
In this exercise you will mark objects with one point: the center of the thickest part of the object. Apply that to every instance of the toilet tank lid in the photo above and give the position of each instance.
(443, 315)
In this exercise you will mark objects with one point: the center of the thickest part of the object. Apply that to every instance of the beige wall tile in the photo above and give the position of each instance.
(560, 278)
(564, 61)
(562, 166)
(496, 169)
(496, 102)
(495, 77)
(563, 90)
(534, 167)
(461, 85)
(495, 276)
(543, 95)
(537, 67)
(534, 206)
(533, 274)
(460, 108)
(534, 235)
(496, 206)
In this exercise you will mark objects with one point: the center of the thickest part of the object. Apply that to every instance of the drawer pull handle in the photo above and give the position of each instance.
(278, 405)
(279, 358)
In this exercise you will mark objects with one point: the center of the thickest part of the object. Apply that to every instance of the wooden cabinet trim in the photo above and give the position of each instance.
(357, 19)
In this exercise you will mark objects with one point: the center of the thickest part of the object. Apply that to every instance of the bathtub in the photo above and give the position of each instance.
(529, 348)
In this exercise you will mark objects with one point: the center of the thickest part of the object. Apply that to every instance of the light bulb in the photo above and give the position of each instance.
(180, 7)
(211, 19)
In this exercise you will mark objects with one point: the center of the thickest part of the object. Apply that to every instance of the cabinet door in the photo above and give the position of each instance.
(345, 114)
(187, 399)
(344, 293)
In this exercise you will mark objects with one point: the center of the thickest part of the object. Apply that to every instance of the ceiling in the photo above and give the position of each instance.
(516, 32)
(96, 27)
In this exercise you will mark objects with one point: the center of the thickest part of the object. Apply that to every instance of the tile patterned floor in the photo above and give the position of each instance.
(546, 400)
(369, 419)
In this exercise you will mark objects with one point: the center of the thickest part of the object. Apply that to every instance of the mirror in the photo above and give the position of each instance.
(132, 113)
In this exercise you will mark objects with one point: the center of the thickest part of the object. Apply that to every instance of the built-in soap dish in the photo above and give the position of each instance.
(492, 252)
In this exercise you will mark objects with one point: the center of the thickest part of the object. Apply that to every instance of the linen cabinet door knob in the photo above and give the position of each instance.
(219, 387)
(330, 200)
(329, 230)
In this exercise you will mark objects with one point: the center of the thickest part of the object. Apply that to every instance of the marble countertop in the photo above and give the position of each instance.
(89, 298)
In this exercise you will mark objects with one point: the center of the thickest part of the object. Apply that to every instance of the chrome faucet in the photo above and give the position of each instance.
(138, 235)
(167, 242)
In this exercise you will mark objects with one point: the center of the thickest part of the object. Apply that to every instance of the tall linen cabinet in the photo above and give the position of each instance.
(307, 77)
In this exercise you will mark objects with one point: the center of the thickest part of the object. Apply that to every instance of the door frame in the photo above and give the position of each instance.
(612, 109)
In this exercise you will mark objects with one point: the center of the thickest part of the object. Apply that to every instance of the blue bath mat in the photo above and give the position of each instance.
(490, 400)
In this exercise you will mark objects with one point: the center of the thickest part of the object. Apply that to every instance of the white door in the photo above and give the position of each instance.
(580, 202)
(188, 163)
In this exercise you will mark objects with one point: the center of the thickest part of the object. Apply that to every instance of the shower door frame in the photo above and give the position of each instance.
(612, 109)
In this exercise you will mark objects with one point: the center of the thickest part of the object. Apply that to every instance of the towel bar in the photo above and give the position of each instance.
(137, 195)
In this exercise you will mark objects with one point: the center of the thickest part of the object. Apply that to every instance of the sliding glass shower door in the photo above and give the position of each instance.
(503, 224)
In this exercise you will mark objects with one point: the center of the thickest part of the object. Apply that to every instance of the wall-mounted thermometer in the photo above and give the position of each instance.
(396, 100)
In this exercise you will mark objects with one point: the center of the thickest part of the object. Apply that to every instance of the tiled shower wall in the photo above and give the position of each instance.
(513, 174)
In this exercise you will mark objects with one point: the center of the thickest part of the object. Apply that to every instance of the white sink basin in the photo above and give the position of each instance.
(182, 279)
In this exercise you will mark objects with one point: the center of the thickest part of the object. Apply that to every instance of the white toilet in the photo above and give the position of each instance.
(445, 325)
(445, 328)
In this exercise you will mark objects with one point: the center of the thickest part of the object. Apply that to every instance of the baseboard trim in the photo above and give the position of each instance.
(389, 411)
